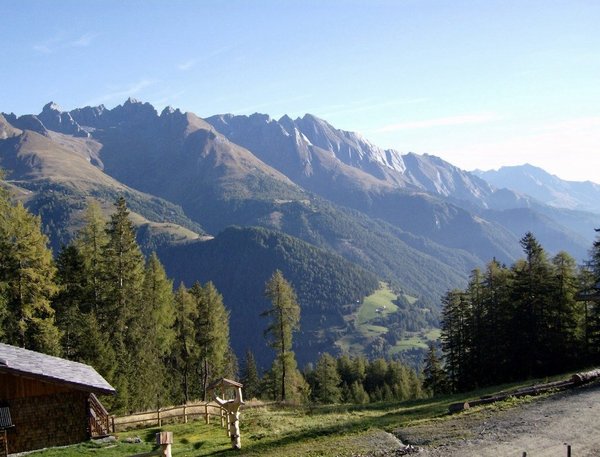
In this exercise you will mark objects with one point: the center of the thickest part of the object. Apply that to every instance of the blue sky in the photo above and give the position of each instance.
(479, 83)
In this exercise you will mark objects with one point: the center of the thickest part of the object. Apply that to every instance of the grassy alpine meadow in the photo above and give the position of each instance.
(334, 430)
(375, 308)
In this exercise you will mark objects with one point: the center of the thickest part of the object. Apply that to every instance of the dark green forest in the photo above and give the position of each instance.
(240, 261)
(534, 318)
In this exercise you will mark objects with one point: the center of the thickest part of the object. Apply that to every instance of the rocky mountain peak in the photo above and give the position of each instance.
(57, 120)
(6, 129)
(51, 106)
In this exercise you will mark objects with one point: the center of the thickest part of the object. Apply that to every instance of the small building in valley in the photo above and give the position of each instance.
(51, 401)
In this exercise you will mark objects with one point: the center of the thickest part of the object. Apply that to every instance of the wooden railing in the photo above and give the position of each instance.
(99, 419)
(159, 416)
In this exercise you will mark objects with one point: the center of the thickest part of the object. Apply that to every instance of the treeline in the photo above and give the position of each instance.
(530, 319)
(345, 379)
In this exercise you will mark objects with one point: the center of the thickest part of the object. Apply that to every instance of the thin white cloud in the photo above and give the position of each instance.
(83, 41)
(479, 118)
(187, 64)
(64, 41)
(120, 93)
(192, 62)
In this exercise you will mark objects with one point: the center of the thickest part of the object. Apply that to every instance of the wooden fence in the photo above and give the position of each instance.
(181, 413)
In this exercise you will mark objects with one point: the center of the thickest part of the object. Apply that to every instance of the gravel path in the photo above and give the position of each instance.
(541, 428)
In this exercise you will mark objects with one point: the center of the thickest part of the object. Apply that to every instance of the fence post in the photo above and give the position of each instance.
(568, 450)
(206, 416)
(524, 454)
(112, 419)
(184, 413)
(158, 410)
(222, 418)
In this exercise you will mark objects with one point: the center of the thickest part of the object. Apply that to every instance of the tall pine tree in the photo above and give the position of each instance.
(285, 320)
(123, 278)
(212, 334)
(27, 281)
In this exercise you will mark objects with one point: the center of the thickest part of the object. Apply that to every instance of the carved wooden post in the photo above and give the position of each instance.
(233, 417)
(229, 409)
(164, 440)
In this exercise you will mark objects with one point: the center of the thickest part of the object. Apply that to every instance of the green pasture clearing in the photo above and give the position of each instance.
(410, 299)
(382, 299)
(379, 305)
(416, 340)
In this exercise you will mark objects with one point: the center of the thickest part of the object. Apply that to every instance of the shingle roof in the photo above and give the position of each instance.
(47, 368)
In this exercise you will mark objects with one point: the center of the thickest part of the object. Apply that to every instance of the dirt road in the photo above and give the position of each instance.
(541, 428)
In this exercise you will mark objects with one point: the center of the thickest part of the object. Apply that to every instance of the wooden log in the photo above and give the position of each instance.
(164, 440)
(457, 407)
(532, 390)
(587, 376)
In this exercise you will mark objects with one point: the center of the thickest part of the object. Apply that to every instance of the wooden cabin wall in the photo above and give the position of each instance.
(44, 414)
(12, 386)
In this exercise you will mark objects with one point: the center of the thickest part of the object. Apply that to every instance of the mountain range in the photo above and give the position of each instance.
(219, 198)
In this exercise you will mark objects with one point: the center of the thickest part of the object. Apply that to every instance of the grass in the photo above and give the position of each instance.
(377, 306)
(382, 299)
(341, 430)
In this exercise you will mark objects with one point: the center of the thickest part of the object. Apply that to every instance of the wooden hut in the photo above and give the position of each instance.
(50, 401)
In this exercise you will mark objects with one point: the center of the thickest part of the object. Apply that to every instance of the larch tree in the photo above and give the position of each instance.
(327, 381)
(153, 334)
(27, 281)
(212, 334)
(285, 320)
(123, 279)
(90, 241)
(184, 352)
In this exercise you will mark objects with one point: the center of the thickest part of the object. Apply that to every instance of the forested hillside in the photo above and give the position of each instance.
(240, 261)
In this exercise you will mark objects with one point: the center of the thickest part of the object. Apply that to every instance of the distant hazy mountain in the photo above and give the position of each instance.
(419, 194)
(546, 188)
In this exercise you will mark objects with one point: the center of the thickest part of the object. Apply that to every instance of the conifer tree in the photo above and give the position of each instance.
(250, 377)
(434, 377)
(285, 320)
(212, 334)
(327, 380)
(27, 275)
(564, 315)
(153, 334)
(185, 350)
(90, 241)
(123, 277)
(70, 301)
(454, 337)
(497, 283)
(531, 292)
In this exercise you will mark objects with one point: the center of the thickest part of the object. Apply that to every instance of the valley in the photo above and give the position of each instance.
(414, 222)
